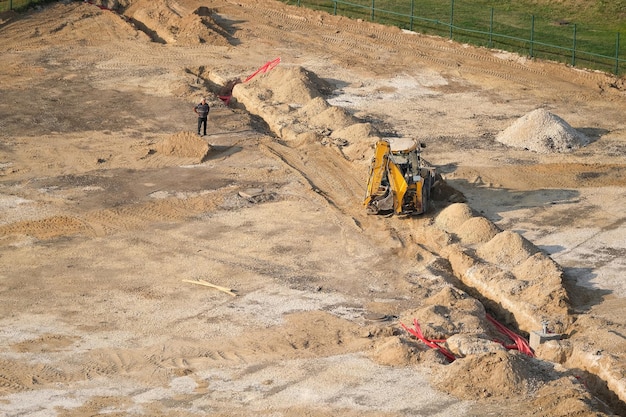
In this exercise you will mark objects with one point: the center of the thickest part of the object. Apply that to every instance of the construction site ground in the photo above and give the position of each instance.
(114, 213)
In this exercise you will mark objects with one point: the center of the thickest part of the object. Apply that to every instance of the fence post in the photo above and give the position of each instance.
(491, 30)
(335, 7)
(373, 5)
(412, 11)
(451, 16)
(574, 48)
(617, 54)
(532, 34)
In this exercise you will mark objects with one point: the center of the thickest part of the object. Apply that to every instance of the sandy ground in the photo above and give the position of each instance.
(111, 207)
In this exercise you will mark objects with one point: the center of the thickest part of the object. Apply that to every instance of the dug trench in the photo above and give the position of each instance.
(512, 279)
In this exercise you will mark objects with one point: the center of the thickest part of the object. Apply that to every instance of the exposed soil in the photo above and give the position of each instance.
(114, 215)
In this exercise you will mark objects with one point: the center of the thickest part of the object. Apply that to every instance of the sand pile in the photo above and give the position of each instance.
(292, 85)
(360, 139)
(462, 345)
(453, 216)
(200, 27)
(538, 266)
(448, 312)
(314, 107)
(500, 375)
(477, 230)
(494, 374)
(395, 351)
(184, 145)
(543, 132)
(333, 118)
(278, 95)
(163, 24)
(512, 274)
(290, 99)
(507, 249)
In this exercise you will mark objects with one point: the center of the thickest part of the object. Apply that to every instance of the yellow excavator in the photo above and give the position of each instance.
(399, 180)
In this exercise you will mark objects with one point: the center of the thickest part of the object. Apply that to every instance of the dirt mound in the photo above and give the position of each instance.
(314, 107)
(494, 374)
(543, 132)
(166, 25)
(292, 85)
(536, 265)
(360, 140)
(200, 27)
(453, 216)
(501, 374)
(394, 351)
(477, 230)
(184, 145)
(448, 312)
(469, 344)
(288, 98)
(567, 397)
(507, 249)
(333, 118)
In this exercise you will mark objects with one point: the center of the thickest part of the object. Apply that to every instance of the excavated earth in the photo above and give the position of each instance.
(147, 270)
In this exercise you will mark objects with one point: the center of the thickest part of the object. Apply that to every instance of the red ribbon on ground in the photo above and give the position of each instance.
(520, 343)
(267, 67)
(433, 343)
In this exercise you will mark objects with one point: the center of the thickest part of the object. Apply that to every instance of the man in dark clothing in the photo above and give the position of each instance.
(202, 110)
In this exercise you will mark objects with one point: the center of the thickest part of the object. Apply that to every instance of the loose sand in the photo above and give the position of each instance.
(110, 207)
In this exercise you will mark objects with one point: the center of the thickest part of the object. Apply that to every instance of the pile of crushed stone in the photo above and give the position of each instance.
(542, 132)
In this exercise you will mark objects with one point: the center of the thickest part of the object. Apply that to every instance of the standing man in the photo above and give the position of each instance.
(202, 110)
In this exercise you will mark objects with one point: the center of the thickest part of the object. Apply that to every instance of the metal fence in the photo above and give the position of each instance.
(6, 5)
(524, 33)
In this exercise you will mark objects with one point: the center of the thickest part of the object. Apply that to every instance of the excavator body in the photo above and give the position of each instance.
(399, 180)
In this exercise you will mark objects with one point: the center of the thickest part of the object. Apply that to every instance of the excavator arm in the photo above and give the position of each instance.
(376, 190)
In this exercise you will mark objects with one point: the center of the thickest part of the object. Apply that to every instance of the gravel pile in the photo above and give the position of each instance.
(542, 132)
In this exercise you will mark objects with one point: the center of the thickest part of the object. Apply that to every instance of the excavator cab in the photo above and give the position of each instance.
(399, 182)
